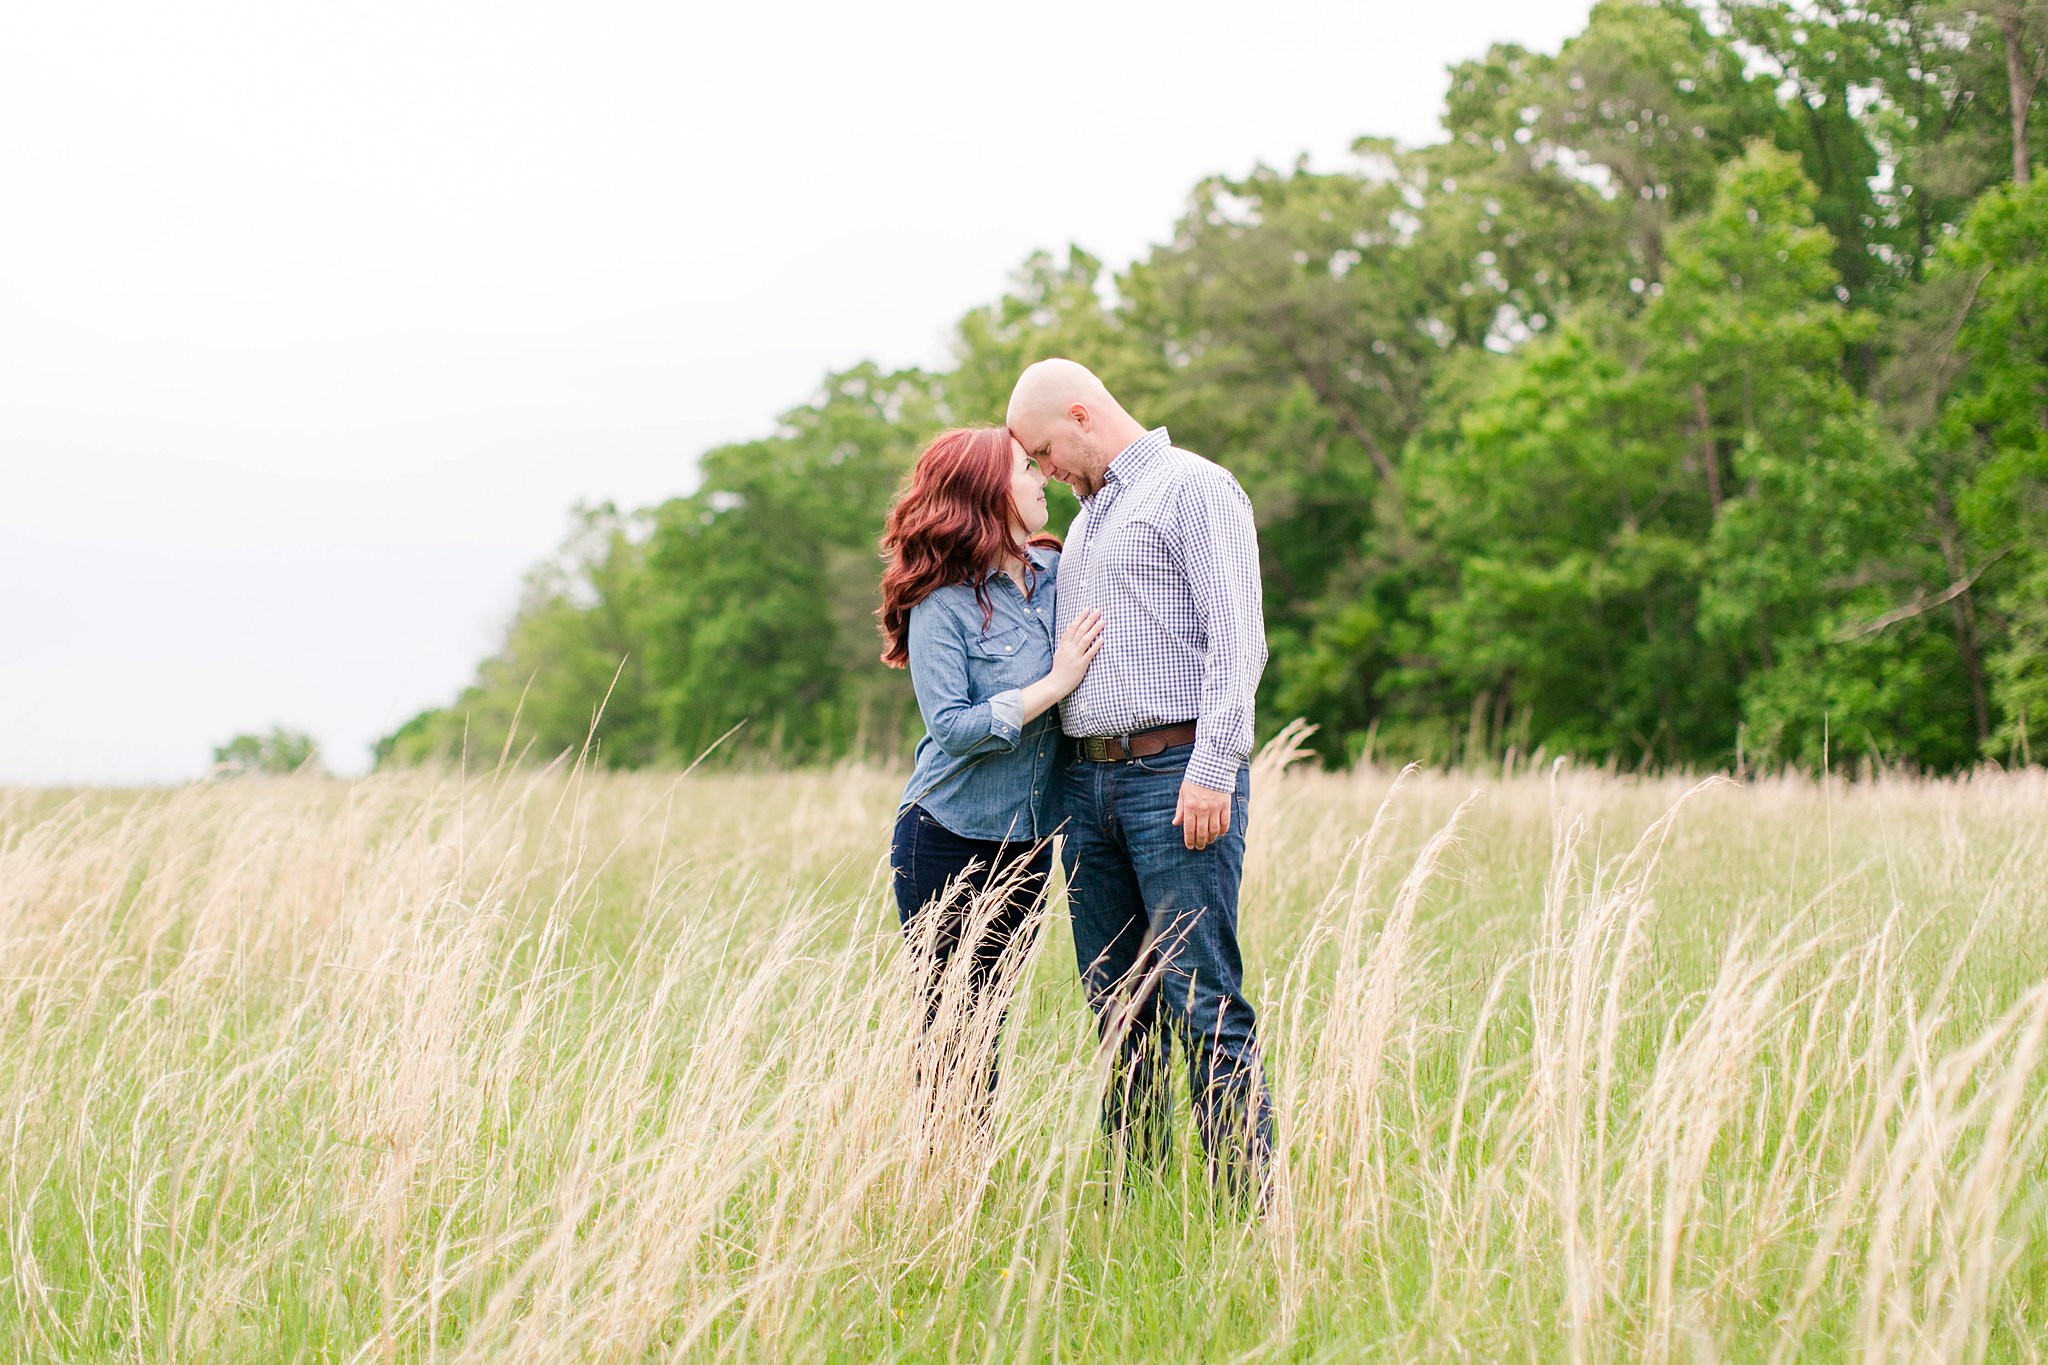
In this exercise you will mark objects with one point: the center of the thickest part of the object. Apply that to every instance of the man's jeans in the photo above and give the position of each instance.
(1155, 934)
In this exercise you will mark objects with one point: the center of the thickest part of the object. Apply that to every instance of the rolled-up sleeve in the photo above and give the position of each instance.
(1218, 550)
(938, 673)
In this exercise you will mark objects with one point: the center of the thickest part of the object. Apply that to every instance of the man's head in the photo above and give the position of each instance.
(1067, 421)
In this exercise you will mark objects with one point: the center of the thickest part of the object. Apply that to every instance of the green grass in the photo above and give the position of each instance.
(623, 1067)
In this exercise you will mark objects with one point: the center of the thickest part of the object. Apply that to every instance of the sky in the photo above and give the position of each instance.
(317, 318)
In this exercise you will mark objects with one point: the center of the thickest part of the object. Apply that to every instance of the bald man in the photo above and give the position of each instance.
(1156, 800)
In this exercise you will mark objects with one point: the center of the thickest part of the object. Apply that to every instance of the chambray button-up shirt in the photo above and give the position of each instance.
(1166, 551)
(980, 770)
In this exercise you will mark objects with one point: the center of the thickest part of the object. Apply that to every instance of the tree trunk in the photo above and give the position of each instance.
(1326, 394)
(2020, 78)
(1709, 456)
(1963, 614)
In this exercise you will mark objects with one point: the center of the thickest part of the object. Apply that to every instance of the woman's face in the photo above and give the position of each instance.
(1027, 490)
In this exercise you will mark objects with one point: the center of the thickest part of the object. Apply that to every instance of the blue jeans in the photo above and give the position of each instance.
(926, 858)
(1155, 936)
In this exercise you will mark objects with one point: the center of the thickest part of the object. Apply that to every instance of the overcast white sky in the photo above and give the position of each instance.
(316, 318)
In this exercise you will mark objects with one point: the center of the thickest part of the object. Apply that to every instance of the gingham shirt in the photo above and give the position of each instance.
(1166, 551)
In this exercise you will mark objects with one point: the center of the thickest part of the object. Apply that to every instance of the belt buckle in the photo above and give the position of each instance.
(1100, 748)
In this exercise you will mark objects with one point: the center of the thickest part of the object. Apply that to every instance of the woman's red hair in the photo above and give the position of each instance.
(953, 522)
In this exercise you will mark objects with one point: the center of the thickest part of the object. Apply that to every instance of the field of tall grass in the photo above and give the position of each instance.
(567, 1066)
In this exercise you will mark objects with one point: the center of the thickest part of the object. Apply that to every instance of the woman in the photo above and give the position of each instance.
(967, 605)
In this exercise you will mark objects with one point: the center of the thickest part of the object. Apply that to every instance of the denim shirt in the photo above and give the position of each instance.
(980, 770)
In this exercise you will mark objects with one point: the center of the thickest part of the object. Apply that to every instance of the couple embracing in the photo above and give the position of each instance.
(1104, 692)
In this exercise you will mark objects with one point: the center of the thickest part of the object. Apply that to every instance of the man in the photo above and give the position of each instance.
(1157, 800)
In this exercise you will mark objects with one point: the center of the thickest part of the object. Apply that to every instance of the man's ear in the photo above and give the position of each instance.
(1083, 418)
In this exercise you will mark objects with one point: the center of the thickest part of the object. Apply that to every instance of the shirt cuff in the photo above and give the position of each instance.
(1006, 714)
(1216, 771)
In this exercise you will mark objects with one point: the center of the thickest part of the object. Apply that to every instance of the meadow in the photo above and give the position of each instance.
(565, 1065)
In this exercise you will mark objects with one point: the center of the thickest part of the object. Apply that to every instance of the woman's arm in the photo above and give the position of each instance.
(938, 674)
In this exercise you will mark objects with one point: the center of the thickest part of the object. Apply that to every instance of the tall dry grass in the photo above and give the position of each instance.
(567, 1066)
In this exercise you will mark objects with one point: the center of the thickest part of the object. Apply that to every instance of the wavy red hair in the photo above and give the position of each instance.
(953, 522)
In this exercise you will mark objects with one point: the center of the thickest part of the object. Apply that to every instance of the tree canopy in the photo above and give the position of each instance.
(276, 754)
(1684, 405)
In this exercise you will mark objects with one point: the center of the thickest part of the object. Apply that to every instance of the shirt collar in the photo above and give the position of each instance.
(1133, 460)
(1039, 555)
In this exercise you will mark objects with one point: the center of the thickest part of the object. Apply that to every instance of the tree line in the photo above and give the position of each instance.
(1686, 405)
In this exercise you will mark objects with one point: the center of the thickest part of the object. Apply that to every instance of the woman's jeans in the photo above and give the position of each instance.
(1155, 932)
(928, 860)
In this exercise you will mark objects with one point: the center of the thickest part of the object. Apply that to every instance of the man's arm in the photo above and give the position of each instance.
(1217, 550)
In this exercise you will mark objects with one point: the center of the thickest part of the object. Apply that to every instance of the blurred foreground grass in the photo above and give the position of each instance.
(621, 1067)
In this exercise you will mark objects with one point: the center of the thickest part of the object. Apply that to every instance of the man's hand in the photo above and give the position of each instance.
(1203, 813)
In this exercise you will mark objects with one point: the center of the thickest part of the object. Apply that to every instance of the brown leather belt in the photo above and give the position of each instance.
(1144, 744)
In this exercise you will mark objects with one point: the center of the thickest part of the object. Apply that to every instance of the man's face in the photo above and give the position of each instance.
(1064, 450)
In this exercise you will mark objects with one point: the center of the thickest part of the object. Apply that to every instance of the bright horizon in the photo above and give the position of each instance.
(315, 323)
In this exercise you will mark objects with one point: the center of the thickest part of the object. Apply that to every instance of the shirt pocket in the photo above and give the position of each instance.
(1000, 659)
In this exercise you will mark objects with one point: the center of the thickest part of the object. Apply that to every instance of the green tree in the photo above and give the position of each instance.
(1666, 528)
(762, 584)
(1902, 113)
(1645, 103)
(570, 677)
(1808, 537)
(1677, 406)
(1994, 433)
(275, 754)
(1571, 533)
(1828, 58)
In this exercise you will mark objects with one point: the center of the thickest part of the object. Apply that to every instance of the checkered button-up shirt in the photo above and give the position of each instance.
(1166, 551)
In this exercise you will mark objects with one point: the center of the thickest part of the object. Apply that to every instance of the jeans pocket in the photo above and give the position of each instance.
(903, 861)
